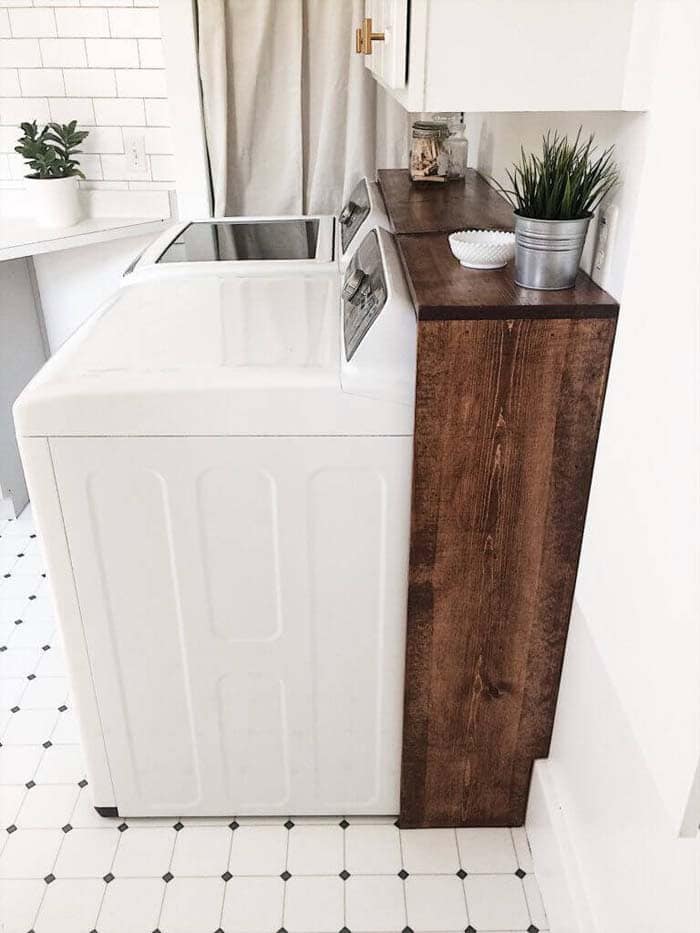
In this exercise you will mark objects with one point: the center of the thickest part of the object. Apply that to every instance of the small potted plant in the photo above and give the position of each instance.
(554, 196)
(53, 182)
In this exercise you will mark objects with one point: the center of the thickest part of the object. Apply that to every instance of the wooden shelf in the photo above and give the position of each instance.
(21, 237)
(443, 290)
(424, 215)
(443, 208)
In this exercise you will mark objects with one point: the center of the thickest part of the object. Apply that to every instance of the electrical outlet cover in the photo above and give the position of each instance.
(136, 159)
(607, 222)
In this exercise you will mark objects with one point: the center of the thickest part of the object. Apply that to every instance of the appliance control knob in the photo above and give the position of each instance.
(353, 284)
(347, 212)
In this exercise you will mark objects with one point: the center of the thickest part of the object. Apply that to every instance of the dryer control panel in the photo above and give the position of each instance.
(353, 214)
(364, 293)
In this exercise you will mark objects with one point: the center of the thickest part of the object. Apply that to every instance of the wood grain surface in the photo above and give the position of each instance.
(442, 289)
(433, 208)
(507, 418)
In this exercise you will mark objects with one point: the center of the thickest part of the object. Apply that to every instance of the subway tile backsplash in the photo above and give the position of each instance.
(32, 23)
(123, 111)
(63, 53)
(19, 53)
(99, 62)
(134, 24)
(38, 82)
(80, 22)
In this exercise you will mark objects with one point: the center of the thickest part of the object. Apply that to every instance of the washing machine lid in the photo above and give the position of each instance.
(245, 242)
(211, 353)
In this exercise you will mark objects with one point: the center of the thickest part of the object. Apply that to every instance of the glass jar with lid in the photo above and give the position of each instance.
(457, 147)
(429, 159)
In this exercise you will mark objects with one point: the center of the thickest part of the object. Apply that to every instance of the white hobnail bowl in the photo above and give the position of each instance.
(483, 249)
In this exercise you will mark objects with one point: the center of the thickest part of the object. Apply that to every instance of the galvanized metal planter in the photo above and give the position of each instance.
(548, 252)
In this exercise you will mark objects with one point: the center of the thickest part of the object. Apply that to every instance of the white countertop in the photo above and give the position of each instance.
(23, 237)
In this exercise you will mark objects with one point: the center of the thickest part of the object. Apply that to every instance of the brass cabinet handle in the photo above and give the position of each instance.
(364, 37)
(358, 40)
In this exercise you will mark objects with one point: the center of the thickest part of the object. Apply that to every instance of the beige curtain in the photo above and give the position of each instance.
(293, 119)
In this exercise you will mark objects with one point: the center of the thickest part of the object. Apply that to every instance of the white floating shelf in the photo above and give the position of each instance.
(21, 237)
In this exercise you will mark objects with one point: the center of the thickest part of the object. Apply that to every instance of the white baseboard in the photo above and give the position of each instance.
(554, 854)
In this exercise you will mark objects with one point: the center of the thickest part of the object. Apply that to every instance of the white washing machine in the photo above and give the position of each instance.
(363, 211)
(220, 468)
(250, 244)
(285, 243)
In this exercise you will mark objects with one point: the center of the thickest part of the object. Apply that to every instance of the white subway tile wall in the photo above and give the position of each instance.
(96, 61)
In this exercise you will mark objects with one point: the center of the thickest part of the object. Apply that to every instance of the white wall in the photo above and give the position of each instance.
(607, 857)
(494, 144)
(627, 737)
(100, 63)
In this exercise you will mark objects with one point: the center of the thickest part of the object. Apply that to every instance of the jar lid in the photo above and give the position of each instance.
(426, 129)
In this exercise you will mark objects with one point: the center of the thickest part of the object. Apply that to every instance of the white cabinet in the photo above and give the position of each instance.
(389, 56)
(513, 55)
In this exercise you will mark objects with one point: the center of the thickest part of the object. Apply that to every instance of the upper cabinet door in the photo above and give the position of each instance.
(386, 57)
(513, 55)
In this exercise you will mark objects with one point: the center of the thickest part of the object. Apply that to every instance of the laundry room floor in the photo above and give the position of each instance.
(64, 869)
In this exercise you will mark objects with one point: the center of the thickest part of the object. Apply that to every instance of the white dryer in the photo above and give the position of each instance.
(220, 467)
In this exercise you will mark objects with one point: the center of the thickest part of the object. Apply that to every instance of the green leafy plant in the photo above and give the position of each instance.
(566, 182)
(50, 152)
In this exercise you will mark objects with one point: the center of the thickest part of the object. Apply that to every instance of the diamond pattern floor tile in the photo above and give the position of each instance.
(131, 905)
(259, 850)
(19, 903)
(375, 903)
(315, 850)
(65, 868)
(69, 906)
(192, 904)
(313, 905)
(253, 905)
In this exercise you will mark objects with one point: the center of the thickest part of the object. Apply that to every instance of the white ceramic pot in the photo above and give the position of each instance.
(55, 202)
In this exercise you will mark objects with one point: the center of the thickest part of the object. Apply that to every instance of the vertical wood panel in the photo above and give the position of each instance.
(507, 417)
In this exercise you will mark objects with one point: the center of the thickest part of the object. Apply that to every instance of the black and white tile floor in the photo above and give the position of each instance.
(63, 869)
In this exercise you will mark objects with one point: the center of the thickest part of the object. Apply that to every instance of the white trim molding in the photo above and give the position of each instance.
(179, 25)
(556, 865)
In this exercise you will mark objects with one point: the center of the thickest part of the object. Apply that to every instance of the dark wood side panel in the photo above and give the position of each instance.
(507, 418)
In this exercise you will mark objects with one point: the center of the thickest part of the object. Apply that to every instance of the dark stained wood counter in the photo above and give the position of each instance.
(442, 289)
(443, 208)
(509, 396)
